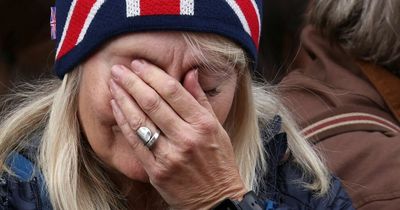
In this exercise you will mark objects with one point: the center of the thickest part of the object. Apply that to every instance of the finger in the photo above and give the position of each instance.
(141, 152)
(153, 161)
(149, 101)
(184, 104)
(192, 85)
(134, 116)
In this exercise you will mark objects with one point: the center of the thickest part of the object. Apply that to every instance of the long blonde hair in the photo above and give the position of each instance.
(75, 178)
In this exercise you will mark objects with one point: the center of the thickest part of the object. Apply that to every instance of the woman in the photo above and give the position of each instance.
(159, 118)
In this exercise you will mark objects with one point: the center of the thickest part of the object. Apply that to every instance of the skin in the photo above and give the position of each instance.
(153, 80)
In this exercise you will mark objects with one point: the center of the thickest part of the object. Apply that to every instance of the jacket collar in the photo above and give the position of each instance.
(386, 83)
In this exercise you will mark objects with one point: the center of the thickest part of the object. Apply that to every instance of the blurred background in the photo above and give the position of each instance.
(27, 52)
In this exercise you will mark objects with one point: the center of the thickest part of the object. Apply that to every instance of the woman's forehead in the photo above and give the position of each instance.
(150, 36)
(157, 47)
(164, 49)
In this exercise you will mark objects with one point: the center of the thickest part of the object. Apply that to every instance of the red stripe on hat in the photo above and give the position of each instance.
(251, 16)
(78, 18)
(160, 7)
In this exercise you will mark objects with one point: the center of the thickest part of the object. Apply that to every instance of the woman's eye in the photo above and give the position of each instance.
(212, 92)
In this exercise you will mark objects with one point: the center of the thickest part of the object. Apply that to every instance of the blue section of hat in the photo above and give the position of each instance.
(211, 16)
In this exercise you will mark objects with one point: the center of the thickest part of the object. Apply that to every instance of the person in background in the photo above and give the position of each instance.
(154, 108)
(345, 95)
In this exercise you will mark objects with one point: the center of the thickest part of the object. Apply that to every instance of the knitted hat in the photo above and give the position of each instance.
(83, 25)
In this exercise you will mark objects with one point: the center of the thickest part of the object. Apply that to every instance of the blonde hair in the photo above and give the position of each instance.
(67, 161)
(369, 29)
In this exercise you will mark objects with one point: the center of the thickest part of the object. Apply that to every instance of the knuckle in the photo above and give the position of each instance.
(122, 122)
(151, 103)
(207, 125)
(189, 145)
(167, 167)
(172, 89)
(135, 122)
(128, 82)
(202, 99)
(172, 164)
(178, 162)
(160, 176)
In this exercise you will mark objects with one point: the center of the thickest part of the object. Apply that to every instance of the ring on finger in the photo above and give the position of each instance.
(147, 137)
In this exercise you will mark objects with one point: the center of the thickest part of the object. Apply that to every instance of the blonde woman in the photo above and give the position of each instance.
(156, 110)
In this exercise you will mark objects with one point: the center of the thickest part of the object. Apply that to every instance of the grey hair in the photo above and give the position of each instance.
(368, 29)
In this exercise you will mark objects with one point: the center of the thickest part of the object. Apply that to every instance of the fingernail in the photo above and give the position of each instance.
(116, 72)
(138, 65)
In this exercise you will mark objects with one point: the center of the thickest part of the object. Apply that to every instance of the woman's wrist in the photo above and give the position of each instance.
(212, 201)
(249, 201)
(233, 195)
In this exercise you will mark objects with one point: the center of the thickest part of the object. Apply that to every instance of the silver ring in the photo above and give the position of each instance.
(147, 137)
(153, 139)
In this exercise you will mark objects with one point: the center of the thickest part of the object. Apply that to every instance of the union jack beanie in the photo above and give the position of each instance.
(84, 25)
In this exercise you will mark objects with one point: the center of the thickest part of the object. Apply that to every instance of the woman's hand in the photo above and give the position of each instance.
(192, 163)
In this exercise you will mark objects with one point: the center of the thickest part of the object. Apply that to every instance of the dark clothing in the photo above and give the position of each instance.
(279, 192)
(25, 190)
(330, 80)
(281, 189)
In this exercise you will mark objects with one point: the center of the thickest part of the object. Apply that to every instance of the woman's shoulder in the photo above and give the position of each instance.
(293, 194)
(282, 182)
(23, 188)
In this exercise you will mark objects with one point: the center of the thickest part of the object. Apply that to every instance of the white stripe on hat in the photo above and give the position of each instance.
(132, 8)
(187, 7)
(60, 44)
(89, 19)
(239, 13)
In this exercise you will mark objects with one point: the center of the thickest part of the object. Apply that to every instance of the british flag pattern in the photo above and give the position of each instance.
(81, 15)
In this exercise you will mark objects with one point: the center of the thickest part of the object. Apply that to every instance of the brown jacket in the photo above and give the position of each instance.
(330, 81)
